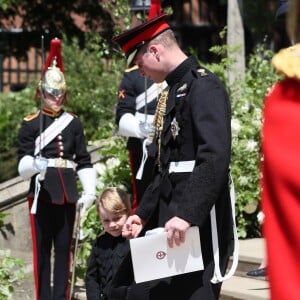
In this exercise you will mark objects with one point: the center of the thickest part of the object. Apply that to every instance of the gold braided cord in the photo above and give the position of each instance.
(158, 121)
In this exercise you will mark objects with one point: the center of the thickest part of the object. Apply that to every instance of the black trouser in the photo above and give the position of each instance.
(191, 286)
(52, 225)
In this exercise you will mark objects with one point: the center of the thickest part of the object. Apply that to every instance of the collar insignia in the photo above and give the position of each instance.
(122, 94)
(182, 88)
(51, 113)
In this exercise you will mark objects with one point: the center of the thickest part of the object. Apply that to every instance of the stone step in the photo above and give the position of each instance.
(241, 288)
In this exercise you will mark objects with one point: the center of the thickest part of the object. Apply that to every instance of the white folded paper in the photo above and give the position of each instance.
(153, 259)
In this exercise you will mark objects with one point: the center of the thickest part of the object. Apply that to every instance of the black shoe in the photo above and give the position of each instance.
(257, 272)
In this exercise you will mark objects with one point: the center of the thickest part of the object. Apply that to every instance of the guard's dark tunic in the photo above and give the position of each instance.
(105, 259)
(196, 127)
(55, 215)
(60, 184)
(132, 86)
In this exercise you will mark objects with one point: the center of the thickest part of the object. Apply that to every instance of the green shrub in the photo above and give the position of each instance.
(11, 269)
(246, 126)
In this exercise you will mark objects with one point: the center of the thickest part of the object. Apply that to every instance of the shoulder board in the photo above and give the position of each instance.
(135, 67)
(31, 117)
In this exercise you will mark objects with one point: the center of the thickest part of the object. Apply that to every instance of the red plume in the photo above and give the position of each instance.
(55, 52)
(155, 9)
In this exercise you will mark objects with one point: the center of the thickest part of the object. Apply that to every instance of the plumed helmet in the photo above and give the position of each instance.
(53, 79)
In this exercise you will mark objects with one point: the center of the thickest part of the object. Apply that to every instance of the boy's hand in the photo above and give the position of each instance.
(132, 227)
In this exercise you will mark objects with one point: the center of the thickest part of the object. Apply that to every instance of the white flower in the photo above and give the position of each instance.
(260, 217)
(100, 168)
(251, 145)
(235, 126)
(112, 163)
(245, 107)
(243, 180)
(100, 185)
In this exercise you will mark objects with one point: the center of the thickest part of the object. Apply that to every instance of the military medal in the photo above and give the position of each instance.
(174, 128)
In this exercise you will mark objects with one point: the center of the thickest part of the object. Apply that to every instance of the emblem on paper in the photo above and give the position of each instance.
(161, 255)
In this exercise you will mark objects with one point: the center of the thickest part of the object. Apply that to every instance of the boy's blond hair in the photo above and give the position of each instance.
(114, 200)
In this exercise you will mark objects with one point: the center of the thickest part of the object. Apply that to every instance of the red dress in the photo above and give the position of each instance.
(281, 188)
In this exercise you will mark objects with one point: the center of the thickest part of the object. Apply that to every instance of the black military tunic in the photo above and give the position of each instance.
(196, 128)
(132, 86)
(55, 215)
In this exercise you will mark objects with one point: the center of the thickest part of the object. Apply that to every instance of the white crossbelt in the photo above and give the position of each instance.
(60, 163)
(150, 94)
(52, 131)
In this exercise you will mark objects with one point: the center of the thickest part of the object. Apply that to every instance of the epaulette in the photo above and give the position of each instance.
(31, 117)
(135, 67)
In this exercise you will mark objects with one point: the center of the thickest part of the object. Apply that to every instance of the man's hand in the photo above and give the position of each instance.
(176, 229)
(132, 227)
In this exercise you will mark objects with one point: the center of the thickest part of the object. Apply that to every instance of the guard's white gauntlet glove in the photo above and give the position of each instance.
(129, 126)
(29, 166)
(87, 178)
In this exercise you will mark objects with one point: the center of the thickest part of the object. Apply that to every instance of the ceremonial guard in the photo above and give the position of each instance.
(137, 99)
(52, 153)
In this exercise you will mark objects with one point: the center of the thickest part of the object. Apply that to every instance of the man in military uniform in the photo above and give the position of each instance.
(52, 151)
(192, 144)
